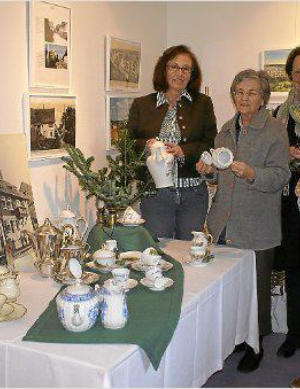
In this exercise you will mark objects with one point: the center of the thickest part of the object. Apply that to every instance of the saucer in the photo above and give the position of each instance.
(201, 263)
(6, 309)
(162, 264)
(18, 312)
(150, 284)
(130, 256)
(129, 284)
(87, 278)
(128, 223)
(101, 268)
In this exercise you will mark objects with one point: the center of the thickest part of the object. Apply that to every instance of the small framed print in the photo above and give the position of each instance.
(273, 62)
(50, 124)
(117, 112)
(123, 64)
(49, 45)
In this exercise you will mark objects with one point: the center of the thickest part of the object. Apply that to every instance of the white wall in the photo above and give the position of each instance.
(228, 37)
(91, 21)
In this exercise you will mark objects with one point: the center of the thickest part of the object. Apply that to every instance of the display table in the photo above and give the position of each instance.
(219, 310)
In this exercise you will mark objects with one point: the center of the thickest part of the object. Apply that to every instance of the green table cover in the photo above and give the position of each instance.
(153, 316)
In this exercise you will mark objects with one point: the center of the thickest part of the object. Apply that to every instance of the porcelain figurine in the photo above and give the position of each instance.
(9, 286)
(114, 312)
(160, 165)
(68, 218)
(78, 304)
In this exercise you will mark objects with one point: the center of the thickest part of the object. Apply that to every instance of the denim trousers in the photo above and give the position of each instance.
(175, 213)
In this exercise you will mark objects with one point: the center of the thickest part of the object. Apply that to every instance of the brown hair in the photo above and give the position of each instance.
(290, 60)
(260, 75)
(160, 74)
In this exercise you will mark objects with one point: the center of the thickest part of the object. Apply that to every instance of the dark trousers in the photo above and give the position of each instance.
(264, 266)
(174, 213)
(293, 304)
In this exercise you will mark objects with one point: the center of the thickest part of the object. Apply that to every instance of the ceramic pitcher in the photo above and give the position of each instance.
(160, 165)
(201, 239)
(79, 224)
(114, 312)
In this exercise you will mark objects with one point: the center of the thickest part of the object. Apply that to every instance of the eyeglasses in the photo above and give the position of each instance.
(174, 68)
(241, 93)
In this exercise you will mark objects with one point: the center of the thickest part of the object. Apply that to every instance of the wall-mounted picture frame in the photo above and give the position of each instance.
(49, 45)
(273, 62)
(123, 64)
(50, 124)
(117, 111)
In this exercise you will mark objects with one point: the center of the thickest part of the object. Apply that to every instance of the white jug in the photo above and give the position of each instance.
(114, 312)
(160, 165)
(201, 239)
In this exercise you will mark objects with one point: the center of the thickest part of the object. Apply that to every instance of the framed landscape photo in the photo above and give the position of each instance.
(273, 62)
(49, 45)
(117, 111)
(50, 124)
(123, 64)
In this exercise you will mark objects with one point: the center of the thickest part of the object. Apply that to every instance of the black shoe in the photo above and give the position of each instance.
(286, 350)
(240, 347)
(250, 361)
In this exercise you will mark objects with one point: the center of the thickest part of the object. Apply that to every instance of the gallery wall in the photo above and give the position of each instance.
(91, 21)
(228, 37)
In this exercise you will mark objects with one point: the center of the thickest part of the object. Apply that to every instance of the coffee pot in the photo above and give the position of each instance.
(160, 165)
(46, 241)
(68, 218)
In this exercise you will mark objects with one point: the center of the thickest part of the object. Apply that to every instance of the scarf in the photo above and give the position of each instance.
(289, 107)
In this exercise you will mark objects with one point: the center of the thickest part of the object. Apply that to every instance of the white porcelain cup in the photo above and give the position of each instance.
(111, 245)
(197, 252)
(150, 260)
(104, 257)
(153, 273)
(3, 298)
(120, 275)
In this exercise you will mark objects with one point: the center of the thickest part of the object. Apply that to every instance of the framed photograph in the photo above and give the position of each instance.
(117, 111)
(273, 62)
(17, 208)
(123, 64)
(49, 45)
(50, 124)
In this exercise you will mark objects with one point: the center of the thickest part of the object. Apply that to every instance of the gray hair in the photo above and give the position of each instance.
(260, 75)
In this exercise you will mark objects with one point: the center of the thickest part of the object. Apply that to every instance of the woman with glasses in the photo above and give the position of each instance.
(287, 255)
(184, 120)
(245, 211)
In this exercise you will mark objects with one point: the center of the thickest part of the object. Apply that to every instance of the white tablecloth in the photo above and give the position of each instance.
(219, 310)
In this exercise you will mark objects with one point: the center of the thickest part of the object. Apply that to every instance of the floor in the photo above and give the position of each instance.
(273, 372)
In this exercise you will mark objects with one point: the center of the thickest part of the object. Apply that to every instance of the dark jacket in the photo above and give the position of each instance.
(251, 211)
(196, 120)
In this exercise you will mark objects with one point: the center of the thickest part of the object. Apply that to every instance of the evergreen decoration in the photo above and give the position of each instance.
(118, 185)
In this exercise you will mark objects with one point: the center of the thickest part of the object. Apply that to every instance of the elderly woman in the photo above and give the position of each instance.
(287, 256)
(245, 211)
(184, 120)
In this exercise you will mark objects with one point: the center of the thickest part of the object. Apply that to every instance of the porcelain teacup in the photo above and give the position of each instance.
(104, 257)
(120, 275)
(150, 259)
(4, 271)
(197, 252)
(111, 245)
(153, 273)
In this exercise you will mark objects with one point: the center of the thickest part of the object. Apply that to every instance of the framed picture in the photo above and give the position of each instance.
(117, 111)
(123, 64)
(49, 45)
(273, 62)
(50, 124)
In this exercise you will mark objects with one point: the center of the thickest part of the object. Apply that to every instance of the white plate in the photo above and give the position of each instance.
(18, 312)
(188, 261)
(162, 264)
(102, 268)
(150, 284)
(6, 309)
(87, 278)
(128, 223)
(130, 283)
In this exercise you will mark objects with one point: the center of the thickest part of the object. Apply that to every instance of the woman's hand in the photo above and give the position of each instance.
(242, 170)
(150, 142)
(297, 189)
(294, 152)
(174, 149)
(203, 168)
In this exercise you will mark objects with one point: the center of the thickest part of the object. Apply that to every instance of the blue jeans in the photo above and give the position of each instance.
(172, 213)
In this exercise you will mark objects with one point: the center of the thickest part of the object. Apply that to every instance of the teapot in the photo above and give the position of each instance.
(201, 239)
(222, 157)
(160, 165)
(79, 224)
(9, 286)
(77, 304)
(46, 241)
(114, 312)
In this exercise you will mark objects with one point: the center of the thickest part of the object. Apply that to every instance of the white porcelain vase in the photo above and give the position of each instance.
(160, 165)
